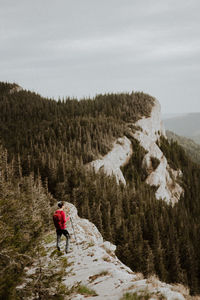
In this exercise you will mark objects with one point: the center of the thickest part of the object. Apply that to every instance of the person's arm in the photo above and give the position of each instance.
(67, 214)
(64, 217)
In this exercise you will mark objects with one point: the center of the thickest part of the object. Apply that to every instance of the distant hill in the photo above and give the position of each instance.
(185, 125)
(171, 116)
(191, 148)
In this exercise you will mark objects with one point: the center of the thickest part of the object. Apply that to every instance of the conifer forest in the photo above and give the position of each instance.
(45, 146)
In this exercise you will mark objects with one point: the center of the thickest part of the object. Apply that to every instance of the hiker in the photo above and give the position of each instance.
(60, 220)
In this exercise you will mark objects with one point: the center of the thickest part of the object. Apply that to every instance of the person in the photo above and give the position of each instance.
(60, 220)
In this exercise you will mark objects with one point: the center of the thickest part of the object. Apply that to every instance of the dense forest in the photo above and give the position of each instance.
(25, 214)
(45, 147)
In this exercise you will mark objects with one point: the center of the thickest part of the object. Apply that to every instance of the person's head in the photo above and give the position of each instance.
(61, 204)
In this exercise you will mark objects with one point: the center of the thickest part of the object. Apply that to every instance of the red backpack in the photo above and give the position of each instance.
(58, 221)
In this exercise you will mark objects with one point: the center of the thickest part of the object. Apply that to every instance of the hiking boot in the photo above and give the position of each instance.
(68, 250)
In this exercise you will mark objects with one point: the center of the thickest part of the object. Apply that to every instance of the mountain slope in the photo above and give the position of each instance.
(191, 148)
(91, 270)
(148, 131)
(54, 141)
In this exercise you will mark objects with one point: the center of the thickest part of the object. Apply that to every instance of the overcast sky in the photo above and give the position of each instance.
(84, 47)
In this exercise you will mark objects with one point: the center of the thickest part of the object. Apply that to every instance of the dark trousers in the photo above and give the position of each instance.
(59, 233)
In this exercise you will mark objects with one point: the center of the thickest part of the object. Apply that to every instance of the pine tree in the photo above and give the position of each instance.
(148, 267)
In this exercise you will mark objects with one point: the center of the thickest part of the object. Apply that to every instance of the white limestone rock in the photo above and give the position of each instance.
(116, 158)
(93, 263)
(163, 177)
(153, 125)
(109, 247)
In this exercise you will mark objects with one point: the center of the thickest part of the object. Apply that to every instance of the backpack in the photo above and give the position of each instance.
(58, 221)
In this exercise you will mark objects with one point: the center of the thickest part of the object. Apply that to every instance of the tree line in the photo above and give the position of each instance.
(52, 142)
(25, 213)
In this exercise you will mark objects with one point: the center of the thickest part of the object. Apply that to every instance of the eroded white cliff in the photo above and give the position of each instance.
(148, 132)
(163, 177)
(92, 263)
(116, 158)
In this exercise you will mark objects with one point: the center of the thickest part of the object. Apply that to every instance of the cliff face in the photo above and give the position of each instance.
(115, 159)
(163, 176)
(149, 130)
(91, 263)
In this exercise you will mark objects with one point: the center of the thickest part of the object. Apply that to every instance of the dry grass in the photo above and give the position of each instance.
(138, 276)
(91, 254)
(153, 280)
(106, 258)
(49, 238)
(84, 290)
(110, 252)
(182, 289)
(89, 245)
(101, 274)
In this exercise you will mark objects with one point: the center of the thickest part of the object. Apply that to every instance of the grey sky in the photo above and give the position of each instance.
(83, 47)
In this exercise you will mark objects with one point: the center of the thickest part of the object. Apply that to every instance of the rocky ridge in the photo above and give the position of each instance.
(148, 132)
(91, 269)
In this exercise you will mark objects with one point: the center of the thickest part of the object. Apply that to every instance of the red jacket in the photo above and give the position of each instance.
(64, 219)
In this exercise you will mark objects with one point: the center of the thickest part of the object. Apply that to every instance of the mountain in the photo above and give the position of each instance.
(144, 195)
(147, 132)
(172, 116)
(192, 149)
(187, 125)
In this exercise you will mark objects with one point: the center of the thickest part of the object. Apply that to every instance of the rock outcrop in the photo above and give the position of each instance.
(116, 158)
(148, 132)
(164, 177)
(92, 264)
(15, 89)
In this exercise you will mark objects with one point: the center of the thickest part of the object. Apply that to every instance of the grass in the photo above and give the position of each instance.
(138, 276)
(91, 244)
(135, 296)
(109, 252)
(43, 251)
(55, 253)
(84, 290)
(90, 254)
(142, 295)
(101, 274)
(49, 238)
(64, 262)
(106, 258)
(63, 290)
